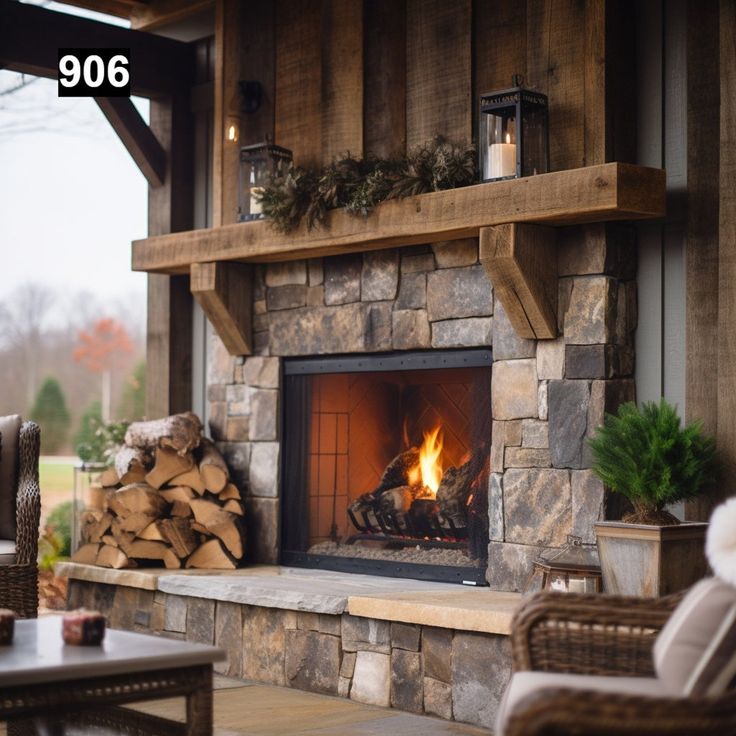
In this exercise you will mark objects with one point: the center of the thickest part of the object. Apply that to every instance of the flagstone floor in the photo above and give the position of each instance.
(245, 709)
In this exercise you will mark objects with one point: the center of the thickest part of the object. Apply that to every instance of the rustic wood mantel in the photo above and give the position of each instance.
(612, 191)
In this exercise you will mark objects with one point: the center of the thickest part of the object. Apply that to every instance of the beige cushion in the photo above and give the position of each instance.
(7, 552)
(9, 431)
(524, 686)
(696, 650)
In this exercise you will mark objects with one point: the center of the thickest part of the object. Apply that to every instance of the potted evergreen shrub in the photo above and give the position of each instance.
(645, 454)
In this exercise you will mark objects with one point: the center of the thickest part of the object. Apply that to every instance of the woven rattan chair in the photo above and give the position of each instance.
(609, 636)
(18, 562)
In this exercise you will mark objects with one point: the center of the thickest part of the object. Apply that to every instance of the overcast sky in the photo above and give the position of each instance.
(71, 198)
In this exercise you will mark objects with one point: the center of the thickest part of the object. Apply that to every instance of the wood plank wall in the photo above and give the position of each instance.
(727, 249)
(384, 75)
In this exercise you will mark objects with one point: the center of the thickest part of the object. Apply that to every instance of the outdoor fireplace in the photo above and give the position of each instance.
(385, 465)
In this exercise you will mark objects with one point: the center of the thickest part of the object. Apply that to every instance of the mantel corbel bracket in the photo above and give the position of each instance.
(521, 262)
(223, 290)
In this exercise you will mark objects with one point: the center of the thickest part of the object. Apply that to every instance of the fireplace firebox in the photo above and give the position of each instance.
(385, 464)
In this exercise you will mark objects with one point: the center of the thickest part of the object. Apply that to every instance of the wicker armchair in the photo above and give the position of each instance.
(19, 578)
(609, 636)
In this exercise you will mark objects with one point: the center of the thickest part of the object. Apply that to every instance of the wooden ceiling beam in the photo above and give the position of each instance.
(30, 38)
(136, 136)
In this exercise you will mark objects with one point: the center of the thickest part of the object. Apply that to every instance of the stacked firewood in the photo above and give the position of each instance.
(168, 499)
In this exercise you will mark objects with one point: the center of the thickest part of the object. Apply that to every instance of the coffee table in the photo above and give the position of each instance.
(40, 676)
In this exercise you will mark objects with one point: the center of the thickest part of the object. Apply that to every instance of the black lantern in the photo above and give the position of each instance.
(259, 163)
(572, 569)
(513, 136)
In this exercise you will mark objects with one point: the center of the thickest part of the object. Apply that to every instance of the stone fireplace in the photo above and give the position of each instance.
(385, 463)
(545, 397)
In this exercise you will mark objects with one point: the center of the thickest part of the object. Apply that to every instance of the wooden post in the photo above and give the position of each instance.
(170, 207)
(521, 261)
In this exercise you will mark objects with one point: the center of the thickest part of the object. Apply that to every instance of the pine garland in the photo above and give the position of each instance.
(359, 184)
(646, 455)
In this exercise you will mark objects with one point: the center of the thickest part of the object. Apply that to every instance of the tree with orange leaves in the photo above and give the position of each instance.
(97, 349)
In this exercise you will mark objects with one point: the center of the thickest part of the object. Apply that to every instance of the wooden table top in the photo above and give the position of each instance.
(38, 654)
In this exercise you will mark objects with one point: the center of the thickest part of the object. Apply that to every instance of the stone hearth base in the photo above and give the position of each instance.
(418, 647)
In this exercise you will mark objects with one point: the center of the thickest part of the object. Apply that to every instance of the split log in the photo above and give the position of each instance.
(130, 460)
(182, 432)
(168, 464)
(230, 491)
(135, 523)
(211, 555)
(152, 533)
(113, 557)
(108, 477)
(398, 500)
(234, 507)
(180, 509)
(86, 554)
(96, 497)
(178, 493)
(397, 471)
(191, 479)
(122, 537)
(212, 467)
(201, 528)
(221, 523)
(94, 525)
(178, 533)
(137, 498)
(145, 550)
(109, 540)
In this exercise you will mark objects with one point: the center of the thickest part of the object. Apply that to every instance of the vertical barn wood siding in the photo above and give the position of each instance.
(701, 250)
(727, 250)
(384, 78)
(438, 70)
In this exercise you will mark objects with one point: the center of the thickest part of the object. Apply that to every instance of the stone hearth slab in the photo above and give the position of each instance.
(468, 609)
(321, 591)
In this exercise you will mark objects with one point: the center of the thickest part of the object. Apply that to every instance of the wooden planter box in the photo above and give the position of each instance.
(643, 560)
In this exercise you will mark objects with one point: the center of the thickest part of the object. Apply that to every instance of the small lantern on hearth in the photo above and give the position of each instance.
(259, 163)
(513, 135)
(572, 569)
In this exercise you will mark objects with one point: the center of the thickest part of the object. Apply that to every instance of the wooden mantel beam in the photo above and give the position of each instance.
(223, 290)
(136, 136)
(521, 262)
(30, 39)
(613, 191)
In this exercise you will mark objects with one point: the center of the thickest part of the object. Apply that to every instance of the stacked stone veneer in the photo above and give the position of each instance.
(456, 675)
(547, 396)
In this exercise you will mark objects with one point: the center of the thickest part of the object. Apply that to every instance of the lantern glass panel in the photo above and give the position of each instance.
(498, 144)
(534, 134)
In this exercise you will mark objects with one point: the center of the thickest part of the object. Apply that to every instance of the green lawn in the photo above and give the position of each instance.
(57, 482)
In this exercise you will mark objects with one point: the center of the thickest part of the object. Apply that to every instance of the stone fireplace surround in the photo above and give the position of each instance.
(422, 647)
(547, 395)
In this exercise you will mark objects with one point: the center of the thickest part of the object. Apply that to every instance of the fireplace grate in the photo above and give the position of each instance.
(408, 529)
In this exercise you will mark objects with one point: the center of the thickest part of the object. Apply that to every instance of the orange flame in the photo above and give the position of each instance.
(428, 472)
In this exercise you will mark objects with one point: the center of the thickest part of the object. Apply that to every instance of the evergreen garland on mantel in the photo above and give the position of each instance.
(359, 184)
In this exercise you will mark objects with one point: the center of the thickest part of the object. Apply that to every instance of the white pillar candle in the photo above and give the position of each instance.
(255, 203)
(501, 160)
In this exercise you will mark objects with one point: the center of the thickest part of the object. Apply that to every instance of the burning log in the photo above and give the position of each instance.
(453, 493)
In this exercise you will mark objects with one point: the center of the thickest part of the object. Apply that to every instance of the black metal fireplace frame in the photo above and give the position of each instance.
(294, 455)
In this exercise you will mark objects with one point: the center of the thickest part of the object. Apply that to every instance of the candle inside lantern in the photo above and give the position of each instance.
(501, 159)
(255, 201)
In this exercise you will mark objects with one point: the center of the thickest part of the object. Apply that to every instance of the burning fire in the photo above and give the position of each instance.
(428, 472)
